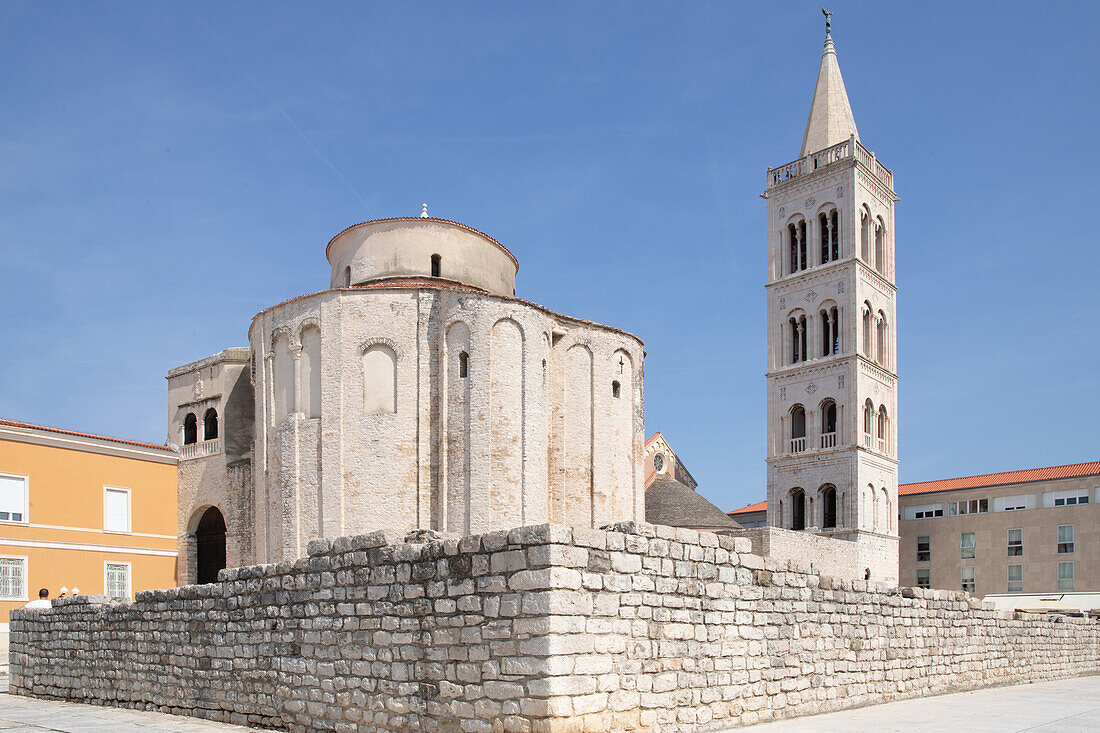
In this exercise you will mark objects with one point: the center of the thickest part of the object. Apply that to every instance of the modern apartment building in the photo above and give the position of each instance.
(82, 511)
(1029, 531)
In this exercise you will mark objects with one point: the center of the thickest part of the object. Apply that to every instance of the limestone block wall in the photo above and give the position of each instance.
(839, 554)
(535, 629)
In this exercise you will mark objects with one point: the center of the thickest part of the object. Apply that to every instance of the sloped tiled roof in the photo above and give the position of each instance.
(1005, 477)
(75, 433)
(669, 502)
(757, 507)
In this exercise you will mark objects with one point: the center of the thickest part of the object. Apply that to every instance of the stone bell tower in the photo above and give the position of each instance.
(832, 375)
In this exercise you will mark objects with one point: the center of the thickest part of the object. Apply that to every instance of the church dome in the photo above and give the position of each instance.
(421, 247)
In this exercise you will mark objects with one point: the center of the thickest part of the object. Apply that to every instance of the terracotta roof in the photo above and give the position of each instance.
(757, 507)
(1005, 477)
(78, 434)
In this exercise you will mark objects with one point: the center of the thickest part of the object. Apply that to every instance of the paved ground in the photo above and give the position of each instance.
(1063, 706)
(28, 715)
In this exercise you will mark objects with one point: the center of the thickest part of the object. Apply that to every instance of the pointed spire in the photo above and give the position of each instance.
(831, 119)
(423, 211)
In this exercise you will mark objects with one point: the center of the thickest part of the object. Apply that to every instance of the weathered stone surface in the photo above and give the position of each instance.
(530, 629)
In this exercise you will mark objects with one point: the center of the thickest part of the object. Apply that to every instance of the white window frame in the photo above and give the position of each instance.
(963, 547)
(129, 578)
(973, 577)
(1072, 542)
(26, 580)
(1009, 581)
(1072, 575)
(26, 499)
(1008, 541)
(129, 510)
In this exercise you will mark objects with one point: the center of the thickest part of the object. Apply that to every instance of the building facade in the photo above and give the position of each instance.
(832, 379)
(1028, 532)
(83, 512)
(416, 392)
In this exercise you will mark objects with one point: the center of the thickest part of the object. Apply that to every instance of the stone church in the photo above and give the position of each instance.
(415, 392)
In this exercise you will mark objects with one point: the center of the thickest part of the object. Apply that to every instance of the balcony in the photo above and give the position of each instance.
(828, 440)
(882, 445)
(200, 450)
(866, 440)
(798, 445)
(846, 150)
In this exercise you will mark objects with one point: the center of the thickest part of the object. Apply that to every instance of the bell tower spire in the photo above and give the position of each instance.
(831, 120)
(832, 368)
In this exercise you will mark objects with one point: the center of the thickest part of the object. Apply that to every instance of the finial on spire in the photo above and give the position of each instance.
(828, 20)
(423, 211)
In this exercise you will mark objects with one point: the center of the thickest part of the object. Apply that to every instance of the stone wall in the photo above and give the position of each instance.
(535, 629)
(847, 554)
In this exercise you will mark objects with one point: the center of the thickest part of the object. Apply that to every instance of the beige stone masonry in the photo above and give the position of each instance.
(541, 628)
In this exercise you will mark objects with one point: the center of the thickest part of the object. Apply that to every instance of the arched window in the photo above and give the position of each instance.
(828, 424)
(798, 509)
(798, 339)
(828, 506)
(437, 265)
(798, 429)
(615, 389)
(882, 428)
(880, 332)
(880, 245)
(830, 331)
(210, 546)
(829, 235)
(803, 262)
(865, 235)
(463, 364)
(210, 424)
(796, 237)
(190, 429)
(868, 419)
(379, 380)
(347, 277)
(867, 330)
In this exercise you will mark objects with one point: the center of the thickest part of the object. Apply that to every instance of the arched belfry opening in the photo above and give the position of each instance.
(210, 546)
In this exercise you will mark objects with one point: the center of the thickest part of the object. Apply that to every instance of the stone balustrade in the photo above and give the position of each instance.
(845, 150)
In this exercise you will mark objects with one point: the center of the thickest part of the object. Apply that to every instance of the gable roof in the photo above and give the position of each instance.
(669, 502)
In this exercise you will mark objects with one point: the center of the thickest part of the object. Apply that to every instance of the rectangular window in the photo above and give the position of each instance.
(1065, 576)
(925, 511)
(116, 580)
(1015, 542)
(1069, 497)
(1015, 578)
(924, 548)
(967, 543)
(972, 506)
(13, 578)
(1013, 503)
(116, 510)
(966, 579)
(1065, 538)
(923, 580)
(13, 498)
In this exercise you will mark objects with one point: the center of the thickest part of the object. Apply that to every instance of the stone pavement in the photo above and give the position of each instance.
(1058, 706)
(27, 715)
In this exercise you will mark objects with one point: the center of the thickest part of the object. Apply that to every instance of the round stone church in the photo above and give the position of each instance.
(416, 392)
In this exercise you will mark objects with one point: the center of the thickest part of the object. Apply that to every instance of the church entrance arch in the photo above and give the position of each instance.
(210, 546)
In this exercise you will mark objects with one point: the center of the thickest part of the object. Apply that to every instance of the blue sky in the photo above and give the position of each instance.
(169, 170)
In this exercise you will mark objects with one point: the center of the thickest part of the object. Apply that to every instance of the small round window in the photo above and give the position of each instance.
(658, 462)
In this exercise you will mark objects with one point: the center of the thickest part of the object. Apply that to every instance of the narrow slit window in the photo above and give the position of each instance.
(616, 389)
(437, 266)
(463, 364)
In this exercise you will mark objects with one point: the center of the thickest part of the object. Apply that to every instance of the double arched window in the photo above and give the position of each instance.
(829, 231)
(868, 422)
(796, 237)
(830, 331)
(883, 433)
(797, 326)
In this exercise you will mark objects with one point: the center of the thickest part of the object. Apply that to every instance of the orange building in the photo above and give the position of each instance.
(81, 511)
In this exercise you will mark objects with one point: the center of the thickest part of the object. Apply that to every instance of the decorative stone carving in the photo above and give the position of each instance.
(811, 388)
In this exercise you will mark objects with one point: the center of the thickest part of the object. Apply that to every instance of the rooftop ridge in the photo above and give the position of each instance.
(78, 434)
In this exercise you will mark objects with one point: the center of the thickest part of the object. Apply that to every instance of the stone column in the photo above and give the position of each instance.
(296, 355)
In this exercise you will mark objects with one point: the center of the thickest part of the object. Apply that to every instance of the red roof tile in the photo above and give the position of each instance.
(1005, 477)
(757, 507)
(31, 426)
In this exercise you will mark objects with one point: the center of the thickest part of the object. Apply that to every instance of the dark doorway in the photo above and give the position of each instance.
(828, 498)
(210, 546)
(798, 509)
